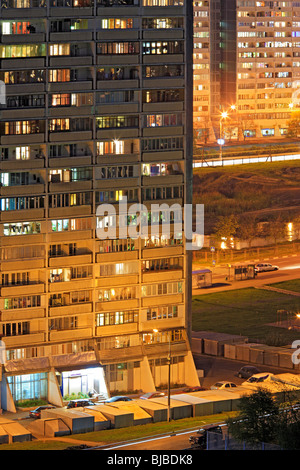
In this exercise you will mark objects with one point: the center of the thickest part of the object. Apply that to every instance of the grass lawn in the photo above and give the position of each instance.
(293, 285)
(245, 312)
(119, 435)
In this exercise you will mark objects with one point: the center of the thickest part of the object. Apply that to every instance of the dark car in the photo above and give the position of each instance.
(147, 396)
(188, 390)
(118, 398)
(81, 402)
(199, 440)
(193, 389)
(247, 371)
(37, 412)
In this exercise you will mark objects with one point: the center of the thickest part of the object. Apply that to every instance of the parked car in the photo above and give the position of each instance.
(80, 402)
(193, 389)
(199, 440)
(264, 267)
(247, 371)
(148, 396)
(37, 412)
(222, 385)
(118, 398)
(188, 390)
(259, 378)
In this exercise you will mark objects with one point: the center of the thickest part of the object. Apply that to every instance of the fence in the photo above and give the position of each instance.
(216, 441)
(204, 256)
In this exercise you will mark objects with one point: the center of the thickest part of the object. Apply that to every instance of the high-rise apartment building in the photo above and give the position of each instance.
(254, 66)
(98, 110)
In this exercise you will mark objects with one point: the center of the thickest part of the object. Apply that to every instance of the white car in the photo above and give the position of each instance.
(223, 386)
(264, 267)
(259, 378)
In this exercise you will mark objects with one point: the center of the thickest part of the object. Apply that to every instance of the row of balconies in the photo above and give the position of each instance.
(84, 12)
(70, 161)
(89, 111)
(77, 136)
(89, 36)
(59, 287)
(88, 60)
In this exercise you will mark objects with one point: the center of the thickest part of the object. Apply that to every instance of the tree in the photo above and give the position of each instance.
(248, 228)
(293, 124)
(246, 125)
(226, 227)
(296, 227)
(276, 229)
(258, 419)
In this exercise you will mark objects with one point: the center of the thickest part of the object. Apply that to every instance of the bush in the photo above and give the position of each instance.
(31, 403)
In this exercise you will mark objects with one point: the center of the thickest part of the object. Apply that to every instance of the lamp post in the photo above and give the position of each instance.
(221, 140)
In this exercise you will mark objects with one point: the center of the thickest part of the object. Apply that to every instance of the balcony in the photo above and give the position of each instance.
(148, 253)
(71, 335)
(67, 61)
(66, 162)
(162, 300)
(70, 111)
(24, 340)
(118, 59)
(23, 139)
(80, 85)
(18, 314)
(117, 305)
(66, 36)
(162, 276)
(114, 281)
(117, 133)
(114, 330)
(23, 113)
(165, 34)
(66, 261)
(125, 84)
(162, 131)
(63, 186)
(26, 289)
(70, 136)
(163, 58)
(23, 38)
(25, 214)
(71, 12)
(20, 63)
(68, 236)
(162, 180)
(25, 88)
(166, 155)
(73, 284)
(22, 264)
(72, 309)
(22, 190)
(117, 256)
(117, 183)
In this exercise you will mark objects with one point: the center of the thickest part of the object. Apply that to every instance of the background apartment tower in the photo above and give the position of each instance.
(253, 66)
(98, 108)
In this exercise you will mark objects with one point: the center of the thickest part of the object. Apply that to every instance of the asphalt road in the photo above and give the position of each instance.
(289, 268)
(175, 442)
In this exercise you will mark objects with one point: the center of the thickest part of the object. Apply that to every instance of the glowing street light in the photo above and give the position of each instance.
(221, 140)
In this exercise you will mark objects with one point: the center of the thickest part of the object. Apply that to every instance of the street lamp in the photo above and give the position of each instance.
(221, 140)
(169, 375)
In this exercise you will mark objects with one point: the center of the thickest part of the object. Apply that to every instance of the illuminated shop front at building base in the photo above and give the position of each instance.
(74, 383)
